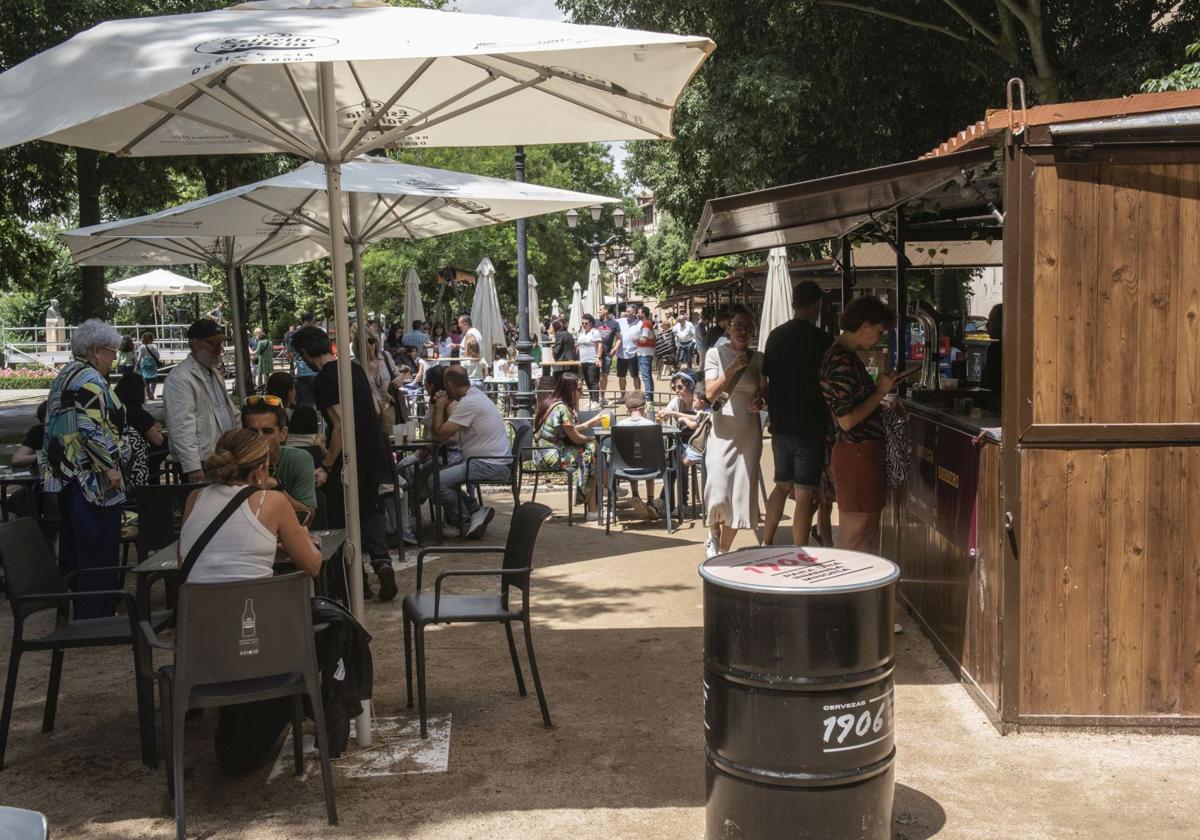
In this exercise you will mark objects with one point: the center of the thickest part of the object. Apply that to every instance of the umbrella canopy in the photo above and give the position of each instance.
(157, 282)
(485, 309)
(575, 315)
(535, 319)
(413, 310)
(595, 294)
(245, 79)
(390, 200)
(777, 298)
(555, 311)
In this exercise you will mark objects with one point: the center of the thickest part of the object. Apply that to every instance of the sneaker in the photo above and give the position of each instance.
(897, 628)
(711, 549)
(409, 537)
(387, 581)
(479, 522)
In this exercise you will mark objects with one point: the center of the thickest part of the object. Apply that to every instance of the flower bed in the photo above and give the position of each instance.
(24, 379)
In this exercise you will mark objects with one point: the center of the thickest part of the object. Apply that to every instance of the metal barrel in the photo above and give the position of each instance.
(798, 705)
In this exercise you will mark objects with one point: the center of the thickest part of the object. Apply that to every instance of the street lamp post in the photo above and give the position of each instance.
(595, 245)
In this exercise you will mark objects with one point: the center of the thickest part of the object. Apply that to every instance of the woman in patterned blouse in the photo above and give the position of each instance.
(82, 452)
(853, 398)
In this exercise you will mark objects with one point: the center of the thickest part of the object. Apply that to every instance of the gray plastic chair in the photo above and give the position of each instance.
(35, 585)
(241, 642)
(20, 824)
(638, 454)
(422, 608)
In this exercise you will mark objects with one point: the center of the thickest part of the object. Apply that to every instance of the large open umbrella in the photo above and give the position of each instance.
(331, 79)
(485, 310)
(595, 291)
(777, 297)
(413, 309)
(575, 314)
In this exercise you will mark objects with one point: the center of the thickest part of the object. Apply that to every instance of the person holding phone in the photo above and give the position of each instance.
(859, 450)
(733, 383)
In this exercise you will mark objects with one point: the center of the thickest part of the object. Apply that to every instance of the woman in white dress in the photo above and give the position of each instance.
(731, 458)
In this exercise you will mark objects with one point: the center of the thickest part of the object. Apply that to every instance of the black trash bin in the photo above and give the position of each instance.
(798, 647)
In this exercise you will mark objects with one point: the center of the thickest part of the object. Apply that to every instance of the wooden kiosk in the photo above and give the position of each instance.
(1052, 552)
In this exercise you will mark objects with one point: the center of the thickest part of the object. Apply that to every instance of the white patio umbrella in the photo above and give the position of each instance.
(413, 309)
(485, 309)
(331, 79)
(595, 291)
(535, 319)
(157, 285)
(555, 310)
(575, 314)
(777, 297)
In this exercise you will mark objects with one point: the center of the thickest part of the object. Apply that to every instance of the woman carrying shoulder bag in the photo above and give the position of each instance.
(733, 383)
(253, 519)
(860, 449)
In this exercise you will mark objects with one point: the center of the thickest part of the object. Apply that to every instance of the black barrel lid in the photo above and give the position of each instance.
(802, 571)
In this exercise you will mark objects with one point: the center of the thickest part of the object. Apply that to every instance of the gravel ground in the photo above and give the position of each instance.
(617, 625)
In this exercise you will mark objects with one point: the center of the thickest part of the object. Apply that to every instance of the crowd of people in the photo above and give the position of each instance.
(96, 442)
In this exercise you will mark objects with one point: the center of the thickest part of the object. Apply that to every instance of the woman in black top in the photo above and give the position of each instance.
(143, 434)
(859, 453)
(564, 346)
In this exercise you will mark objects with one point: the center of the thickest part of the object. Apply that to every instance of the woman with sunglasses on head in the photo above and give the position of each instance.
(733, 383)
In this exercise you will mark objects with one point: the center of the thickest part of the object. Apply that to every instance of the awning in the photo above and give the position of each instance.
(973, 253)
(830, 207)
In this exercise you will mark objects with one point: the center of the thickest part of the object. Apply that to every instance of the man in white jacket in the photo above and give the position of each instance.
(198, 408)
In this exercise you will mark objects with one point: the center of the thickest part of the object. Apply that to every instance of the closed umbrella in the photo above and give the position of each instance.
(485, 309)
(595, 293)
(535, 318)
(329, 80)
(555, 311)
(575, 314)
(413, 310)
(777, 299)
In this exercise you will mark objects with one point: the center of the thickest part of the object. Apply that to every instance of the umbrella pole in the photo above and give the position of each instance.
(524, 396)
(239, 339)
(359, 293)
(341, 314)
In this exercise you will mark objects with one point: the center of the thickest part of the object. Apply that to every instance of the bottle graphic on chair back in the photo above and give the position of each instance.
(249, 628)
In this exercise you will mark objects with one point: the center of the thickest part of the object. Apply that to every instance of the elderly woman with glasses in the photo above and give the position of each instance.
(82, 453)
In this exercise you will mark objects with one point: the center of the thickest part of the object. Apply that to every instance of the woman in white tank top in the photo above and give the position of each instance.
(244, 546)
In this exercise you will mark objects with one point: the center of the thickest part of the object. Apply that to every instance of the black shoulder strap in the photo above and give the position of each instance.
(211, 531)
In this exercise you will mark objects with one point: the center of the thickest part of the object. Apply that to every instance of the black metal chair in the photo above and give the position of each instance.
(422, 608)
(34, 586)
(528, 462)
(241, 642)
(638, 453)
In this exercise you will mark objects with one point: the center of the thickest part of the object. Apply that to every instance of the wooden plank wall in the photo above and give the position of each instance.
(1110, 577)
(1116, 332)
(981, 651)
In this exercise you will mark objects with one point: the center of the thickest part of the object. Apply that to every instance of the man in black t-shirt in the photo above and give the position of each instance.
(371, 452)
(799, 417)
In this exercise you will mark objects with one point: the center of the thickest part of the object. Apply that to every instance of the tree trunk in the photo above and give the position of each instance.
(1046, 82)
(262, 306)
(87, 171)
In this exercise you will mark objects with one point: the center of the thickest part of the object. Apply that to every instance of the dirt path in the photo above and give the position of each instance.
(617, 628)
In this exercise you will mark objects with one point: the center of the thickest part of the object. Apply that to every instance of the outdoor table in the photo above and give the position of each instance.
(601, 434)
(28, 480)
(164, 563)
(433, 447)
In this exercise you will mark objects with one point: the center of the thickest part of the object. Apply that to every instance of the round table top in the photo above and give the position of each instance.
(804, 570)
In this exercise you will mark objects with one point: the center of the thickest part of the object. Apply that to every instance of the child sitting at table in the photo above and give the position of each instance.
(635, 404)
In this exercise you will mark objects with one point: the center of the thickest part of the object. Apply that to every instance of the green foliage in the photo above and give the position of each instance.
(1186, 77)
